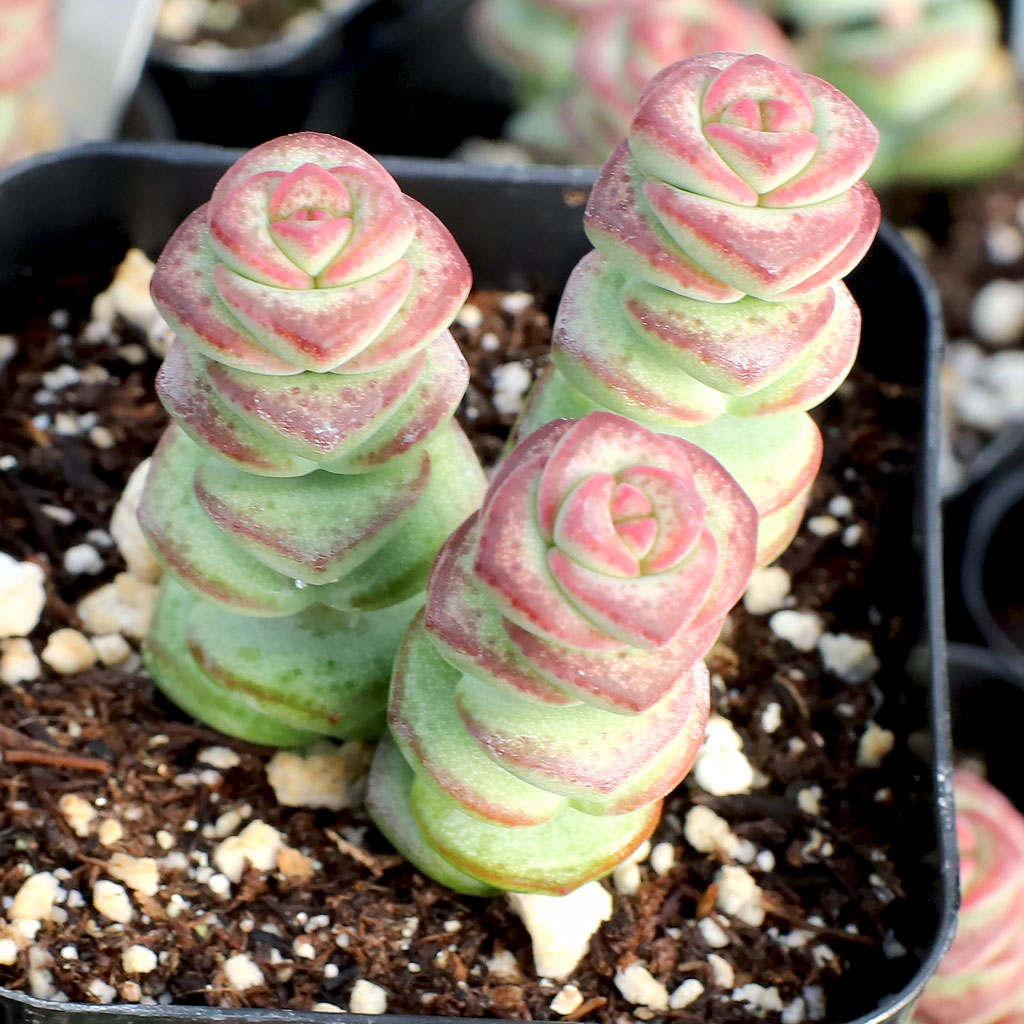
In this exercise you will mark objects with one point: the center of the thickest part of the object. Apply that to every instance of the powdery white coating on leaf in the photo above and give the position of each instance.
(22, 596)
(561, 927)
(639, 987)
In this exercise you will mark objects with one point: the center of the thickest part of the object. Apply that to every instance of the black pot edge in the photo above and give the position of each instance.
(269, 57)
(929, 538)
(993, 502)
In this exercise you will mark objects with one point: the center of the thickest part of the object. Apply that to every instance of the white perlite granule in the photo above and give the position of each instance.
(257, 844)
(34, 900)
(568, 1000)
(18, 661)
(851, 658)
(874, 745)
(111, 900)
(367, 998)
(687, 993)
(561, 927)
(767, 590)
(639, 987)
(758, 997)
(722, 769)
(801, 629)
(138, 959)
(22, 596)
(242, 972)
(323, 775)
(127, 533)
(67, 651)
(997, 312)
(739, 895)
(511, 382)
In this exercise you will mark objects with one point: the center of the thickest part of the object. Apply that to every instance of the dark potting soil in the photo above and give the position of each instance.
(242, 24)
(345, 907)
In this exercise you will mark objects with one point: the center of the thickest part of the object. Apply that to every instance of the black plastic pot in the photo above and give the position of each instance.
(993, 591)
(246, 96)
(523, 228)
(987, 700)
(147, 117)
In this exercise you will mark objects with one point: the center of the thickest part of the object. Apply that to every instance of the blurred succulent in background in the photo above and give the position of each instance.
(623, 45)
(981, 980)
(28, 36)
(931, 74)
(713, 307)
(313, 469)
(553, 692)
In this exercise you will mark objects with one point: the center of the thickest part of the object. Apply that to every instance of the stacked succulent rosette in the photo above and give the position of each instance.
(931, 74)
(981, 980)
(531, 41)
(621, 46)
(313, 469)
(553, 691)
(28, 32)
(713, 306)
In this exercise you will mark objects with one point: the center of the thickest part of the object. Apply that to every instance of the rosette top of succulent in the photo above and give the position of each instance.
(309, 257)
(28, 30)
(981, 979)
(739, 177)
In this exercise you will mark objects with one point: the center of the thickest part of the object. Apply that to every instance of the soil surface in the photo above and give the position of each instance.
(829, 842)
(240, 24)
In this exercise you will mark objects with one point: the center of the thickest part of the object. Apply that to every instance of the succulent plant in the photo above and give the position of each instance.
(713, 306)
(313, 469)
(935, 80)
(553, 691)
(981, 979)
(28, 30)
(531, 41)
(622, 46)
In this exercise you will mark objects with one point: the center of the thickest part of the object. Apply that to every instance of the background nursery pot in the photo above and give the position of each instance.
(82, 209)
(244, 96)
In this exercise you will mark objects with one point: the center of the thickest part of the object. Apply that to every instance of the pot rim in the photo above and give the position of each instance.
(927, 534)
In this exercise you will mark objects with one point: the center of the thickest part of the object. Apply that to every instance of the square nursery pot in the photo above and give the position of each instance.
(522, 228)
(242, 97)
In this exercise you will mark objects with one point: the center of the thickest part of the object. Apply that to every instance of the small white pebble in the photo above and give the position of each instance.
(850, 658)
(771, 717)
(997, 312)
(721, 971)
(242, 972)
(223, 758)
(686, 994)
(852, 535)
(140, 874)
(713, 933)
(801, 629)
(101, 991)
(809, 800)
(739, 895)
(78, 813)
(823, 526)
(874, 745)
(568, 1000)
(18, 661)
(109, 832)
(840, 506)
(111, 900)
(138, 959)
(626, 878)
(367, 998)
(470, 316)
(35, 899)
(323, 775)
(722, 769)
(758, 997)
(490, 342)
(511, 382)
(67, 651)
(111, 648)
(304, 950)
(663, 857)
(767, 590)
(639, 987)
(561, 927)
(765, 860)
(22, 596)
